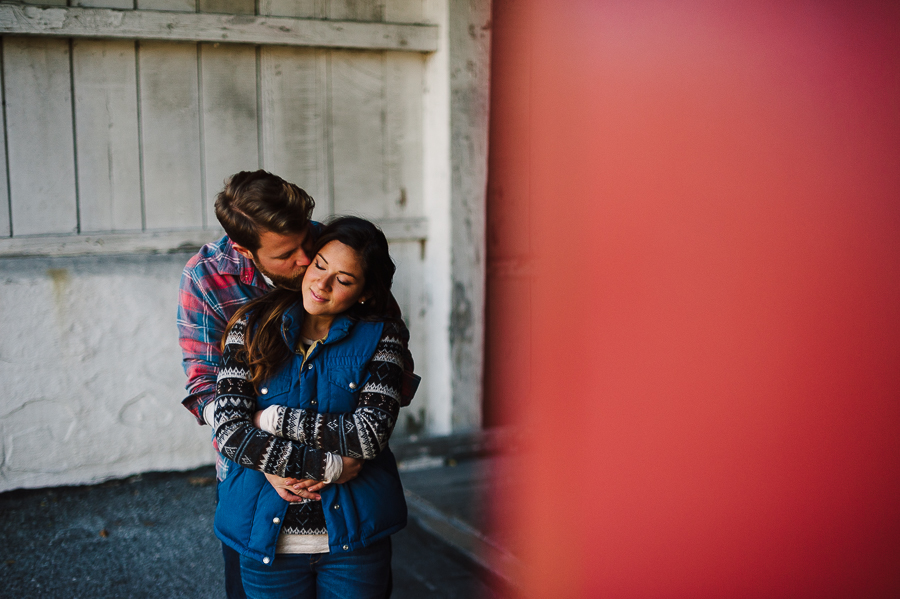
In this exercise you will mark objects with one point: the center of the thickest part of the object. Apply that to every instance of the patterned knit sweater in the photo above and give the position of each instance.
(304, 435)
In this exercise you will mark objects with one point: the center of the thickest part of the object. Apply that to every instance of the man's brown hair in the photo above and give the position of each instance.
(253, 201)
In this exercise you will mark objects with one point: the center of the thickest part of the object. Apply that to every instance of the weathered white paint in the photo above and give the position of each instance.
(411, 296)
(230, 116)
(469, 31)
(91, 371)
(356, 10)
(228, 7)
(315, 9)
(162, 242)
(106, 126)
(173, 5)
(170, 131)
(294, 119)
(436, 164)
(4, 183)
(404, 11)
(100, 3)
(171, 25)
(403, 169)
(149, 242)
(357, 132)
(39, 133)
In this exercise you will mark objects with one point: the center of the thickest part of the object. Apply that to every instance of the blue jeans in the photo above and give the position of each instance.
(361, 574)
(233, 587)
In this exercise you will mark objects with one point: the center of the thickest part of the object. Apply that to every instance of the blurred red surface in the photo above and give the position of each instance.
(694, 295)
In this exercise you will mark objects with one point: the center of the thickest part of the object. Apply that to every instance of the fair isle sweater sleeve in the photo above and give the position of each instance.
(364, 432)
(238, 439)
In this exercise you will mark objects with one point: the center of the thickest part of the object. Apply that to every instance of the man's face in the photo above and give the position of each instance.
(282, 258)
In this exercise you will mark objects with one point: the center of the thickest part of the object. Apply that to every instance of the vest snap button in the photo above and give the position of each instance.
(309, 367)
(276, 520)
(346, 548)
(264, 390)
(265, 560)
(353, 385)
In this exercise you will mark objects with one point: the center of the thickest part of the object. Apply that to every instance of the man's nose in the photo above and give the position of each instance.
(302, 259)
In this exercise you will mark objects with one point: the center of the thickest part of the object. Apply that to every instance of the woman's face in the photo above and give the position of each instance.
(334, 282)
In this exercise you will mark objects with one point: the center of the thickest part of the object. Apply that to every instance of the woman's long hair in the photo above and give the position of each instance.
(265, 350)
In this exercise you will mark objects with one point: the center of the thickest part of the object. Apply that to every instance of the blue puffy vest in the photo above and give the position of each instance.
(358, 513)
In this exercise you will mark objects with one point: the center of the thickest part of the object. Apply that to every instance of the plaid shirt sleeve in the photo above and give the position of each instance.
(201, 325)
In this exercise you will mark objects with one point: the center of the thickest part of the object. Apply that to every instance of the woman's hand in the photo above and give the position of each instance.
(351, 469)
(257, 422)
(293, 490)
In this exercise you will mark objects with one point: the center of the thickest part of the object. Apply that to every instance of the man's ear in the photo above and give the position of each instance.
(242, 251)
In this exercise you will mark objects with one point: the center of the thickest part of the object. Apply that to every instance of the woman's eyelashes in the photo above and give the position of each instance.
(344, 283)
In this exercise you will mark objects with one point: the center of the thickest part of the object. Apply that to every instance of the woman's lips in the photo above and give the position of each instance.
(316, 297)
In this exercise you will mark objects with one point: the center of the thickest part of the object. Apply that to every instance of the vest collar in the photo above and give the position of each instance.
(293, 320)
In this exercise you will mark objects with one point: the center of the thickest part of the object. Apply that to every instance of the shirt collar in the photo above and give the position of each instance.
(233, 263)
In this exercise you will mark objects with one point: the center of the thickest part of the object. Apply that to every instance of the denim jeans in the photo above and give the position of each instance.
(361, 574)
(233, 587)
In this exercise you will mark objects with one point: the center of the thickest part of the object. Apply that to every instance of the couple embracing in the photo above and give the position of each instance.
(297, 357)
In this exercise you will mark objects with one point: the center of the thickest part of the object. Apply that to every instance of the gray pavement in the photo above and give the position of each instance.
(151, 536)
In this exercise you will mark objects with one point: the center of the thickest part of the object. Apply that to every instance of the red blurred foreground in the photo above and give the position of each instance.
(694, 295)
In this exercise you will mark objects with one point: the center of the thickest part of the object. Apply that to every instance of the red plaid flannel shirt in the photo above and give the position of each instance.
(215, 283)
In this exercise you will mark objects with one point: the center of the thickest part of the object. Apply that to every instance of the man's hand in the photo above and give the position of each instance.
(293, 490)
(351, 470)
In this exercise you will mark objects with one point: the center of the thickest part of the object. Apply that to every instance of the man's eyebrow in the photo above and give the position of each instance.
(285, 255)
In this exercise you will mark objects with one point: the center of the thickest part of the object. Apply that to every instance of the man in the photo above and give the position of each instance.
(269, 238)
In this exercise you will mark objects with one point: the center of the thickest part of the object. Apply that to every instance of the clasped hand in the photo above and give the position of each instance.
(293, 490)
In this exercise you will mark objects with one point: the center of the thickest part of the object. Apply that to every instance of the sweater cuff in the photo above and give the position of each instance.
(209, 413)
(268, 421)
(334, 467)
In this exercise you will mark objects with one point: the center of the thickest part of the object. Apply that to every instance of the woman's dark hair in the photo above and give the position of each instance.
(264, 349)
(371, 246)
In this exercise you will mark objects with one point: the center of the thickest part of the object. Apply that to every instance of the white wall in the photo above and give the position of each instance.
(89, 359)
(91, 372)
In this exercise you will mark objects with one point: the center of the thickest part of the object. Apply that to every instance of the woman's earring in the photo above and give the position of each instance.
(362, 301)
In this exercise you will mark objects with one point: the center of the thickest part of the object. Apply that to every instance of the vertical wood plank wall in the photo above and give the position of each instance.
(124, 136)
(106, 126)
(39, 133)
(136, 136)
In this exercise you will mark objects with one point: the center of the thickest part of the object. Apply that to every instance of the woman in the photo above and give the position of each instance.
(324, 366)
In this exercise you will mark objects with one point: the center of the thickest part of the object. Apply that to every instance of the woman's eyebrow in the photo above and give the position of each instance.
(343, 272)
